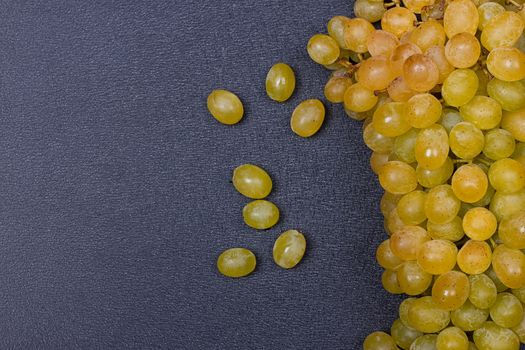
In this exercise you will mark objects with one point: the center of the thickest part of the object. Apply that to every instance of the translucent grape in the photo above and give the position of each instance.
(503, 30)
(432, 147)
(469, 183)
(463, 50)
(437, 54)
(427, 34)
(403, 336)
(390, 119)
(426, 316)
(236, 262)
(386, 257)
(506, 63)
(375, 73)
(405, 242)
(252, 181)
(417, 5)
(437, 256)
(510, 94)
(280, 82)
(393, 223)
(460, 86)
(432, 178)
(509, 265)
(404, 146)
(379, 341)
(377, 160)
(372, 11)
(335, 88)
(289, 248)
(466, 140)
(514, 122)
(490, 336)
(381, 43)
(507, 175)
(423, 110)
(442, 205)
(520, 330)
(511, 230)
(504, 204)
(399, 91)
(479, 223)
(420, 73)
(404, 307)
(356, 34)
(483, 291)
(452, 338)
(397, 177)
(358, 98)
(390, 282)
(474, 257)
(411, 208)
(336, 26)
(482, 111)
(398, 20)
(307, 117)
(460, 16)
(388, 202)
(499, 144)
(520, 294)
(468, 317)
(225, 106)
(452, 231)
(451, 290)
(399, 56)
(449, 118)
(260, 214)
(425, 342)
(507, 311)
(487, 12)
(323, 49)
(377, 142)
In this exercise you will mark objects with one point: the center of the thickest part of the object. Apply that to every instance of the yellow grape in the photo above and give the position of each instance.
(377, 160)
(510, 94)
(289, 248)
(500, 286)
(377, 142)
(437, 54)
(425, 342)
(335, 88)
(406, 241)
(460, 16)
(511, 230)
(260, 214)
(507, 175)
(400, 54)
(426, 316)
(379, 341)
(420, 72)
(307, 117)
(225, 106)
(252, 181)
(381, 43)
(388, 202)
(404, 146)
(431, 178)
(483, 291)
(460, 86)
(463, 50)
(416, 5)
(386, 257)
(509, 265)
(504, 204)
(469, 183)
(482, 111)
(449, 118)
(390, 282)
(499, 144)
(404, 307)
(412, 279)
(506, 63)
(490, 336)
(393, 223)
(403, 336)
(411, 208)
(236, 262)
(487, 12)
(466, 140)
(375, 73)
(398, 20)
(442, 205)
(370, 10)
(280, 82)
(427, 34)
(358, 98)
(503, 30)
(452, 338)
(520, 330)
(397, 177)
(468, 317)
(356, 34)
(432, 147)
(514, 122)
(479, 223)
(437, 256)
(390, 119)
(399, 91)
(323, 49)
(507, 311)
(474, 257)
(451, 290)
(336, 26)
(452, 231)
(423, 110)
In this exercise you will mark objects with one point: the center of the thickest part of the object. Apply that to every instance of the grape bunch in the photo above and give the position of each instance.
(440, 88)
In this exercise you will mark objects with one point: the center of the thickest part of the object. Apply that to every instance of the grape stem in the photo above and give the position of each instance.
(391, 4)
(486, 162)
(515, 3)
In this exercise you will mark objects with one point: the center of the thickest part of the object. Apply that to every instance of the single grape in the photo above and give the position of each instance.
(452, 338)
(490, 336)
(236, 262)
(388, 202)
(469, 183)
(503, 30)
(406, 242)
(323, 49)
(379, 341)
(507, 175)
(381, 43)
(463, 50)
(452, 231)
(483, 291)
(507, 311)
(432, 178)
(460, 86)
(460, 16)
(451, 290)
(390, 282)
(511, 230)
(411, 208)
(425, 342)
(510, 94)
(372, 11)
(474, 257)
(514, 122)
(509, 265)
(479, 223)
(280, 82)
(399, 91)
(420, 73)
(399, 56)
(403, 336)
(398, 21)
(335, 88)
(260, 214)
(506, 63)
(437, 256)
(468, 317)
(307, 117)
(386, 257)
(482, 111)
(426, 316)
(487, 12)
(432, 147)
(375, 73)
(466, 140)
(289, 249)
(252, 181)
(442, 205)
(450, 117)
(358, 98)
(404, 146)
(423, 110)
(504, 204)
(390, 119)
(336, 26)
(427, 34)
(404, 307)
(225, 106)
(499, 144)
(356, 34)
(397, 177)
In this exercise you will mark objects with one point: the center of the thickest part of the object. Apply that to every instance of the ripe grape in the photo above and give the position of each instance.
(463, 50)
(260, 214)
(307, 118)
(323, 49)
(432, 178)
(468, 317)
(452, 338)
(399, 91)
(483, 291)
(356, 34)
(452, 231)
(423, 110)
(479, 223)
(280, 82)
(514, 122)
(460, 16)
(451, 290)
(236, 262)
(507, 175)
(506, 63)
(420, 73)
(372, 11)
(252, 181)
(507, 311)
(406, 241)
(379, 341)
(403, 336)
(482, 111)
(510, 94)
(289, 249)
(432, 147)
(437, 54)
(426, 316)
(437, 256)
(466, 140)
(503, 30)
(474, 257)
(427, 34)
(399, 56)
(411, 208)
(390, 282)
(398, 21)
(375, 73)
(511, 230)
(487, 12)
(504, 204)
(499, 144)
(386, 257)
(390, 119)
(404, 146)
(442, 205)
(381, 43)
(469, 183)
(490, 336)
(336, 26)
(397, 177)
(358, 98)
(335, 88)
(509, 265)
(225, 106)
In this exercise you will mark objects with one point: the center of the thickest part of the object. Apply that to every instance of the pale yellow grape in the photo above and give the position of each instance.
(252, 181)
(358, 98)
(511, 230)
(499, 144)
(479, 223)
(507, 175)
(336, 26)
(260, 214)
(437, 256)
(432, 178)
(356, 34)
(482, 111)
(460, 16)
(474, 257)
(449, 118)
(420, 73)
(398, 21)
(423, 110)
(469, 183)
(335, 88)
(483, 291)
(468, 317)
(404, 307)
(451, 290)
(506, 63)
(375, 73)
(452, 338)
(460, 86)
(507, 311)
(487, 12)
(397, 177)
(406, 241)
(399, 91)
(427, 34)
(404, 146)
(289, 248)
(514, 122)
(442, 205)
(437, 54)
(372, 11)
(510, 94)
(503, 30)
(490, 336)
(425, 342)
(504, 204)
(390, 282)
(403, 336)
(225, 106)
(386, 257)
(393, 223)
(399, 56)
(463, 50)
(411, 208)
(323, 49)
(452, 231)
(426, 316)
(236, 262)
(390, 119)
(377, 160)
(432, 147)
(307, 117)
(381, 43)
(509, 265)
(466, 140)
(379, 341)
(377, 142)
(280, 82)
(388, 202)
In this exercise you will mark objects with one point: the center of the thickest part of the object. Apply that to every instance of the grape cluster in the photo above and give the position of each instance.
(440, 88)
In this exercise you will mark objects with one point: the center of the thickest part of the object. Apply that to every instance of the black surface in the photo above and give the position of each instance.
(114, 181)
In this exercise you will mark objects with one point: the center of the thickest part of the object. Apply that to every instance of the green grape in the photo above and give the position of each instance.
(398, 21)
(503, 204)
(460, 86)
(381, 43)
(406, 242)
(520, 330)
(451, 290)
(403, 336)
(509, 265)
(289, 249)
(499, 144)
(404, 146)
(507, 175)
(487, 12)
(437, 256)
(356, 33)
(510, 94)
(420, 72)
(423, 110)
(336, 26)
(490, 336)
(469, 183)
(236, 262)
(386, 257)
(425, 342)
(432, 178)
(411, 208)
(463, 50)
(397, 177)
(452, 231)
(280, 82)
(307, 117)
(449, 118)
(388, 202)
(511, 230)
(427, 34)
(377, 142)
(379, 341)
(426, 316)
(482, 111)
(479, 223)
(390, 282)
(514, 122)
(390, 119)
(474, 257)
(503, 30)
(466, 140)
(452, 338)
(468, 317)
(460, 16)
(252, 181)
(323, 49)
(507, 311)
(225, 106)
(335, 88)
(506, 63)
(358, 98)
(260, 214)
(500, 287)
(412, 279)
(372, 11)
(483, 291)
(375, 73)
(442, 205)
(404, 307)
(432, 147)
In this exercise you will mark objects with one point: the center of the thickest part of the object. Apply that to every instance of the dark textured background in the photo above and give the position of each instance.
(114, 181)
